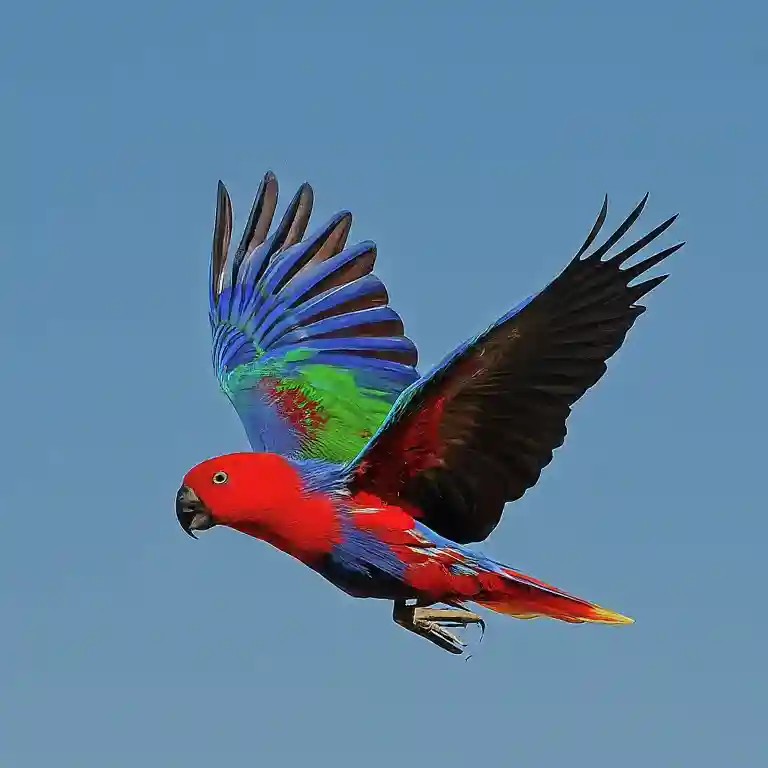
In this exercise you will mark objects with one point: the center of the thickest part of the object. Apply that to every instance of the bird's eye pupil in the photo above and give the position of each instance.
(219, 478)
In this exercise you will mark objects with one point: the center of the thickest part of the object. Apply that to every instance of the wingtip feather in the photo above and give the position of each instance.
(596, 227)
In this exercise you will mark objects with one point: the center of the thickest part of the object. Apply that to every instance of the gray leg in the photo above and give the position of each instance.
(431, 622)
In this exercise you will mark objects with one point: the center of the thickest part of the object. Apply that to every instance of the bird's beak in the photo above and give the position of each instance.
(191, 512)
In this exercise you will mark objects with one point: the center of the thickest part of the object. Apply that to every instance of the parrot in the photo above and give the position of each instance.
(380, 479)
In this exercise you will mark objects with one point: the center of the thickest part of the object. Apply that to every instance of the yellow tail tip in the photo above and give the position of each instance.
(604, 616)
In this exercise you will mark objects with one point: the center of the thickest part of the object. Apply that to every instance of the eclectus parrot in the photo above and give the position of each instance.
(376, 477)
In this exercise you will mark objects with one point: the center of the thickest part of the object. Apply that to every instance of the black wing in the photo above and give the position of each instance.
(476, 432)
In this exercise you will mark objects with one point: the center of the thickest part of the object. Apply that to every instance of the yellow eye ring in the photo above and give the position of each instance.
(220, 478)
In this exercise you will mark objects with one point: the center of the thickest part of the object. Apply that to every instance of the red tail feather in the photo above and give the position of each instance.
(526, 598)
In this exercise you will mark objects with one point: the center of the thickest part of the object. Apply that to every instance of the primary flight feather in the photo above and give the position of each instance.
(371, 475)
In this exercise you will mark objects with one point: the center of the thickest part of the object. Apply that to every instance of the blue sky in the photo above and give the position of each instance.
(474, 146)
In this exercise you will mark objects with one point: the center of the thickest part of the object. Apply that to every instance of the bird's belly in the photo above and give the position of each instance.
(363, 579)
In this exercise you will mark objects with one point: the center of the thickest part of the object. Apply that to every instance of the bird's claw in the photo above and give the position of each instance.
(431, 623)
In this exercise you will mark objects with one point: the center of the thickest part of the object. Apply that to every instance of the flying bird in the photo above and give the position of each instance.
(376, 477)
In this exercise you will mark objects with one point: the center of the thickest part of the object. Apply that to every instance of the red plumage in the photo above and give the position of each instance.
(391, 519)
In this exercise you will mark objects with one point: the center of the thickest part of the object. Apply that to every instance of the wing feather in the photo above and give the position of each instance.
(477, 431)
(304, 343)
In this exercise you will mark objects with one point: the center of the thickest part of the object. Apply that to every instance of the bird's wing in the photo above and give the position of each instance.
(304, 343)
(477, 431)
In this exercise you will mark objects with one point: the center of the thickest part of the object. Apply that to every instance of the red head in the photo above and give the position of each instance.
(260, 494)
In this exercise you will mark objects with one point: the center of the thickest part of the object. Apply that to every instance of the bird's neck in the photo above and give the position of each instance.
(301, 518)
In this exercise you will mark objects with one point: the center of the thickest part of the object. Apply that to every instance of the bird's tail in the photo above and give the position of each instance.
(524, 597)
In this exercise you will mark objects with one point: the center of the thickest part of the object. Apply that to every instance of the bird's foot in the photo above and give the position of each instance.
(431, 623)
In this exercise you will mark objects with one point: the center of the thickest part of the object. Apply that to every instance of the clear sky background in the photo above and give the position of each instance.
(474, 143)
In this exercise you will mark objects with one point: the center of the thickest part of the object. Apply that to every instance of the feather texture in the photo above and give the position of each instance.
(476, 432)
(304, 343)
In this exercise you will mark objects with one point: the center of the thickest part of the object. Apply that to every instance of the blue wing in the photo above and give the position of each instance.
(304, 343)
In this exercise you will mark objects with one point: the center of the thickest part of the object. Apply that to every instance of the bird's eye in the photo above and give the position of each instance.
(220, 478)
